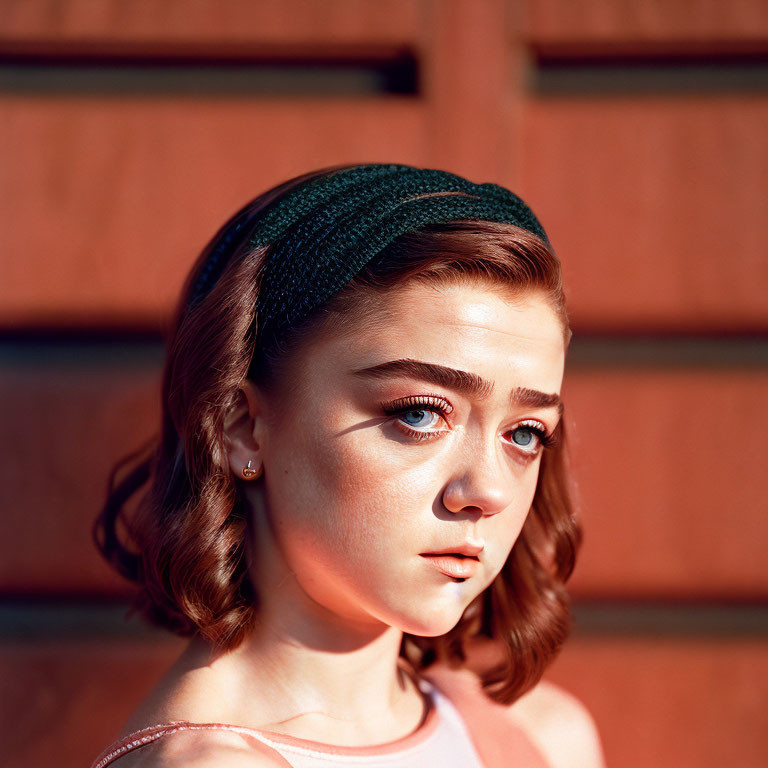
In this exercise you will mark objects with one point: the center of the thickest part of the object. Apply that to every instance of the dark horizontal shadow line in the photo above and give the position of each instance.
(563, 75)
(223, 51)
(88, 351)
(212, 78)
(40, 620)
(671, 618)
(45, 620)
(675, 352)
(44, 348)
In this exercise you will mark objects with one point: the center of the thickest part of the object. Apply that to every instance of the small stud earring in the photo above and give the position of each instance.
(249, 473)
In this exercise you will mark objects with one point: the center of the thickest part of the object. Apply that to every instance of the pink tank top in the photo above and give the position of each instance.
(485, 739)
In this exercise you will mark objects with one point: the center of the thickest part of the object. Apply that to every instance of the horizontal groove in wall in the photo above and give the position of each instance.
(670, 618)
(41, 620)
(638, 47)
(565, 75)
(72, 349)
(72, 619)
(88, 352)
(210, 76)
(672, 352)
(84, 50)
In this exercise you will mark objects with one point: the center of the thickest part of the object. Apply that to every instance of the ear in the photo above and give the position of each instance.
(244, 429)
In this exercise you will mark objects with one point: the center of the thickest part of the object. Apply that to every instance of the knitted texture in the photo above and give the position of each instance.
(324, 231)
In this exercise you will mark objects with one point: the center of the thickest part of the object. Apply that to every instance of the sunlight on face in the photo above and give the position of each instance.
(424, 438)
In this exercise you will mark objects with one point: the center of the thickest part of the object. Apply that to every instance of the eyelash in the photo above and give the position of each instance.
(439, 405)
(405, 405)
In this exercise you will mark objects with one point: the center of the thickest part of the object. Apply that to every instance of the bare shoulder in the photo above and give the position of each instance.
(204, 749)
(557, 723)
(560, 726)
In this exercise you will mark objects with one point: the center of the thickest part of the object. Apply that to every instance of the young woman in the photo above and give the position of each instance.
(357, 506)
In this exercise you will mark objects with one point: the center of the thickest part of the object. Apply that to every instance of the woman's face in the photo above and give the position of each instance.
(419, 435)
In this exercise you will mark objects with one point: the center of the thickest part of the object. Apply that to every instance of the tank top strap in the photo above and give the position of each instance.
(499, 741)
(152, 733)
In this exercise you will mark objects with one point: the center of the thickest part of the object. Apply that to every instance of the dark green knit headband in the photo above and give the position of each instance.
(323, 232)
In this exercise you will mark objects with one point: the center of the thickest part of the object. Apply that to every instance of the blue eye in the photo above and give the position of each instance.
(523, 436)
(530, 437)
(419, 418)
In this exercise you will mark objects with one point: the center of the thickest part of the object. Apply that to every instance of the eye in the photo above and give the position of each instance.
(419, 417)
(529, 437)
(523, 436)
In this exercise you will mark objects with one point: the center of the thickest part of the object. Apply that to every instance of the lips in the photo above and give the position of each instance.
(460, 562)
(465, 548)
(454, 565)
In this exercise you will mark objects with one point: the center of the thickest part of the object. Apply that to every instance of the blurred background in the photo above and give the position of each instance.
(638, 132)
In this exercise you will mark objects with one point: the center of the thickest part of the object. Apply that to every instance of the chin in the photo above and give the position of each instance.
(433, 621)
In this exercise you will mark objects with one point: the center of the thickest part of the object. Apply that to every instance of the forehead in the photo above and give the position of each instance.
(473, 326)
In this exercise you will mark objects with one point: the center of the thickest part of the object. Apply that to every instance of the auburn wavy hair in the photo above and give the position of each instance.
(175, 522)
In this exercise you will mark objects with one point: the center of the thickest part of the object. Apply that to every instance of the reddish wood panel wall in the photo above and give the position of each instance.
(656, 203)
(672, 701)
(653, 194)
(684, 23)
(283, 22)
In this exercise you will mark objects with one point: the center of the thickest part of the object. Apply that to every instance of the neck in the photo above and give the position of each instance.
(329, 681)
(306, 670)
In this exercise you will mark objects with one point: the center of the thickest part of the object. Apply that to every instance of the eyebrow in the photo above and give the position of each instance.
(466, 383)
(532, 398)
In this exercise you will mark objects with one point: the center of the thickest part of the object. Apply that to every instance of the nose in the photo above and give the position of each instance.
(481, 483)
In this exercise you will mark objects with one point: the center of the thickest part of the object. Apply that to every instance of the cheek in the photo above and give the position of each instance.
(335, 493)
(372, 495)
